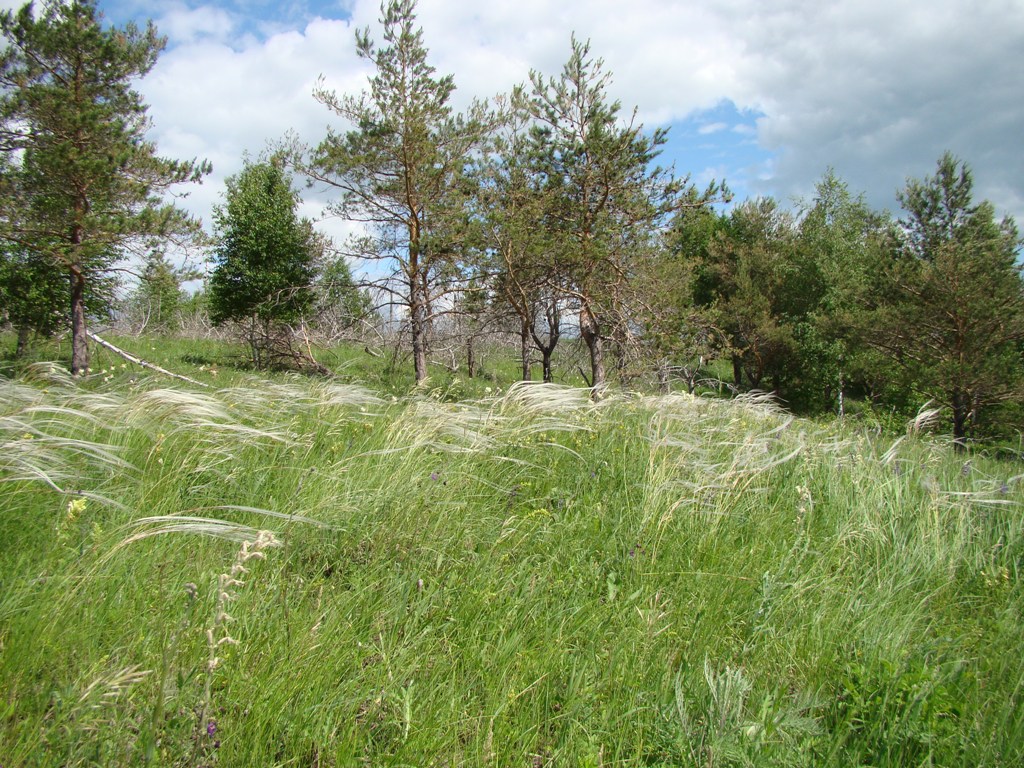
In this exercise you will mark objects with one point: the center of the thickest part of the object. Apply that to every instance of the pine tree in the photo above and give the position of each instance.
(84, 185)
(954, 319)
(520, 260)
(157, 299)
(608, 202)
(399, 171)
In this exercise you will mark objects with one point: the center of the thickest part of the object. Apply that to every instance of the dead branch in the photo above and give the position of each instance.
(139, 361)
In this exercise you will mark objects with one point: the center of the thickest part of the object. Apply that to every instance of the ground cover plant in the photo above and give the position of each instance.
(289, 571)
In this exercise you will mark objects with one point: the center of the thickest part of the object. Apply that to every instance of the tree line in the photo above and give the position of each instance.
(542, 213)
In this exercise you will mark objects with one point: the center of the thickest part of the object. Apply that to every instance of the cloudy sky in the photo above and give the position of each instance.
(766, 95)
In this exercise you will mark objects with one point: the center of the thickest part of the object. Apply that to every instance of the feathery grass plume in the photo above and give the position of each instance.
(36, 444)
(427, 423)
(176, 405)
(890, 455)
(712, 450)
(925, 419)
(62, 416)
(544, 398)
(333, 394)
(15, 396)
(160, 525)
(104, 404)
(50, 373)
(764, 403)
(216, 432)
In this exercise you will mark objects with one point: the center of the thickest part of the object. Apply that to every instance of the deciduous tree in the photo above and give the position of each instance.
(264, 257)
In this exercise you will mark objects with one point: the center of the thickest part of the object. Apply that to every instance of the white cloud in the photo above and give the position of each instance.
(184, 25)
(709, 128)
(876, 89)
(879, 90)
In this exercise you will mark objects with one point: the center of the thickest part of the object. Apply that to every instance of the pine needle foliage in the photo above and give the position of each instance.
(83, 185)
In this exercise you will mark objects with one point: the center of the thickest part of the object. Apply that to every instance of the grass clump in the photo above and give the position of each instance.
(286, 572)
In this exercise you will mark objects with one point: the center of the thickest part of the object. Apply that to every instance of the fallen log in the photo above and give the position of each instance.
(139, 361)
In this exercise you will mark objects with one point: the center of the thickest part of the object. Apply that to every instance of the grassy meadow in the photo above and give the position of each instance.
(285, 571)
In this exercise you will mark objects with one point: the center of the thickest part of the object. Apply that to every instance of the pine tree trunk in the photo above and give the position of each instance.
(470, 358)
(79, 340)
(524, 347)
(24, 335)
(592, 337)
(419, 342)
(418, 304)
(961, 412)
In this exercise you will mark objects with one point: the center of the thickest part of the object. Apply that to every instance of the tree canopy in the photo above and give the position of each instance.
(398, 170)
(83, 186)
(265, 257)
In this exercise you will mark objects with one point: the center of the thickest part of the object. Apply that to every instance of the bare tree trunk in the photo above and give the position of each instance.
(79, 340)
(664, 383)
(418, 329)
(547, 348)
(546, 363)
(470, 357)
(144, 363)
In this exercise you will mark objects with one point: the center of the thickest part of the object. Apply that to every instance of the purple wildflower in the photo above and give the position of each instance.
(434, 476)
(211, 728)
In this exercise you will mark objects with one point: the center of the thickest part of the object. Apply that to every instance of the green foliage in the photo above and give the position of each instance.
(156, 302)
(33, 292)
(340, 304)
(759, 291)
(893, 713)
(520, 262)
(87, 183)
(265, 254)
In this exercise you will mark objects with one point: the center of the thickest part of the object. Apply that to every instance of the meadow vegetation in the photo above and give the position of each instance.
(291, 571)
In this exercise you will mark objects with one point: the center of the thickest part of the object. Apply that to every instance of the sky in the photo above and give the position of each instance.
(765, 94)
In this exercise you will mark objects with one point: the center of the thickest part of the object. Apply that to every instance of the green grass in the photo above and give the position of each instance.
(521, 578)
